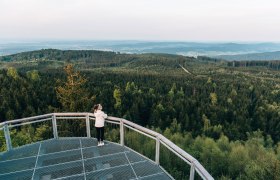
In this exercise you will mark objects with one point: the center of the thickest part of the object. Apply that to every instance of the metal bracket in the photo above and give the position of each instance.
(55, 134)
(88, 126)
(121, 133)
(7, 137)
(157, 150)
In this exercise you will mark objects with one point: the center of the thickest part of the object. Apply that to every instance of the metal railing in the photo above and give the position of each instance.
(195, 166)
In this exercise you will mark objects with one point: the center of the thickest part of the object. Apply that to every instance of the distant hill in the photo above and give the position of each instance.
(139, 47)
(87, 56)
(154, 63)
(60, 55)
(251, 57)
(89, 59)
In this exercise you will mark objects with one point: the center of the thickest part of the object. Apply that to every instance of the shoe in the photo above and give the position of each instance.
(102, 143)
(99, 144)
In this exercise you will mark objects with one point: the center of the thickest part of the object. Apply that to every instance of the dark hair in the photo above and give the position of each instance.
(95, 107)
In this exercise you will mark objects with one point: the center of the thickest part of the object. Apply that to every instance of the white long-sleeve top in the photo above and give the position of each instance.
(100, 118)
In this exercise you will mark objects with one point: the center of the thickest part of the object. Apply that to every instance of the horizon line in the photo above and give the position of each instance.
(38, 40)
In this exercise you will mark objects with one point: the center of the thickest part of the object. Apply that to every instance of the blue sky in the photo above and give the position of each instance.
(183, 20)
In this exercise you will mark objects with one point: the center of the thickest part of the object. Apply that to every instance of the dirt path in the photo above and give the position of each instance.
(185, 69)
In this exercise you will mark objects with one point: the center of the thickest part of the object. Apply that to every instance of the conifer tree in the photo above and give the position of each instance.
(71, 93)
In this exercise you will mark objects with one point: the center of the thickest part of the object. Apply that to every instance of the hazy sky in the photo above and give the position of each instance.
(184, 20)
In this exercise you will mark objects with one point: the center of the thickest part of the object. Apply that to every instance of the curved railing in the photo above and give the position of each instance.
(53, 118)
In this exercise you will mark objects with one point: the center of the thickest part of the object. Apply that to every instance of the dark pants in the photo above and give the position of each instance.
(100, 133)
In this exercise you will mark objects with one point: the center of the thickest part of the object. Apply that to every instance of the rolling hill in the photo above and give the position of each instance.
(266, 56)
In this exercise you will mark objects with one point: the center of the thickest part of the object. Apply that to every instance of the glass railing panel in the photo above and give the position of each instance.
(71, 127)
(173, 164)
(3, 146)
(140, 143)
(112, 132)
(30, 132)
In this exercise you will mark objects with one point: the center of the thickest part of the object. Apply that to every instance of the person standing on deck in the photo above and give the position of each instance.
(99, 123)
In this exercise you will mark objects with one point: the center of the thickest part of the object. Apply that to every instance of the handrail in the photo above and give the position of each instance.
(27, 119)
(195, 165)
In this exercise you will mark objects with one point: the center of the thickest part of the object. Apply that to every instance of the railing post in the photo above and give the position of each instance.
(8, 137)
(121, 133)
(88, 125)
(55, 135)
(157, 150)
(192, 171)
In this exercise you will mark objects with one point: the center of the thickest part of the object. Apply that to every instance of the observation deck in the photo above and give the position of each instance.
(62, 146)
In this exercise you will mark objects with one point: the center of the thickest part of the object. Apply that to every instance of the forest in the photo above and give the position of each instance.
(269, 64)
(226, 117)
